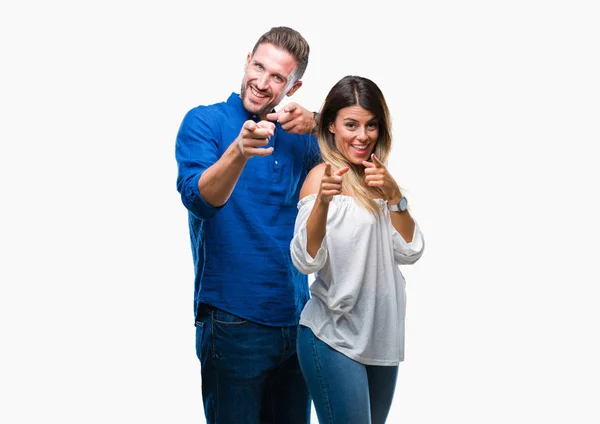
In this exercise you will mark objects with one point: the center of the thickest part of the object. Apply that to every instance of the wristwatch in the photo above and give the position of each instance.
(401, 206)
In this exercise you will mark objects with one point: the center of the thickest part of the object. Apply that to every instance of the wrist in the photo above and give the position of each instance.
(322, 201)
(236, 151)
(395, 198)
(400, 206)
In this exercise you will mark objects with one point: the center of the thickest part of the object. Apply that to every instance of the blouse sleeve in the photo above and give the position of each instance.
(408, 253)
(301, 259)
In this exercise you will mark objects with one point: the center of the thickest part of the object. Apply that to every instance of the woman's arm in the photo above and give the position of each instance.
(326, 183)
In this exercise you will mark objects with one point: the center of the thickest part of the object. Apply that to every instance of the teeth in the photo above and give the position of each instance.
(360, 147)
(256, 93)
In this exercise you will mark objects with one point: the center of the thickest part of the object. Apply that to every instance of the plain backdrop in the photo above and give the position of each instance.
(495, 108)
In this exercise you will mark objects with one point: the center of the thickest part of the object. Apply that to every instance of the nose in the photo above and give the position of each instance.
(262, 82)
(361, 134)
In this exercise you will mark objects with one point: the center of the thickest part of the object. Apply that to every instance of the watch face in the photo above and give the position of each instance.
(402, 204)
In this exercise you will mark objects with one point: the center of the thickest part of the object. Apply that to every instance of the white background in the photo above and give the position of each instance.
(495, 108)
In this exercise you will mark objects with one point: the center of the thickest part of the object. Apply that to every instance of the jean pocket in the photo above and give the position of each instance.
(225, 318)
(199, 336)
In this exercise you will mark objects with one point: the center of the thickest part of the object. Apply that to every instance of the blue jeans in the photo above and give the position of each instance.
(344, 391)
(250, 372)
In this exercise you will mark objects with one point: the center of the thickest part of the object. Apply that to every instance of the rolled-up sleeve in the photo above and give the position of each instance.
(197, 148)
(408, 253)
(301, 259)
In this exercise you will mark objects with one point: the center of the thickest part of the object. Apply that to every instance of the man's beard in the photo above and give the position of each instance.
(251, 108)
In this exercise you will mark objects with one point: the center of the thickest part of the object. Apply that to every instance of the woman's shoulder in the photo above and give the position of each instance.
(317, 169)
(312, 183)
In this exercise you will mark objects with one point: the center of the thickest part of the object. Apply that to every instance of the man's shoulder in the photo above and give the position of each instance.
(208, 108)
(214, 110)
(206, 114)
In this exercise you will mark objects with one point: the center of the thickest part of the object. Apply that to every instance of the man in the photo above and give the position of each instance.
(240, 169)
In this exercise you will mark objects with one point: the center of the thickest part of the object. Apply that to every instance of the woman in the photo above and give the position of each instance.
(353, 230)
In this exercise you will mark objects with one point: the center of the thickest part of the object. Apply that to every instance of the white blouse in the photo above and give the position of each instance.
(358, 298)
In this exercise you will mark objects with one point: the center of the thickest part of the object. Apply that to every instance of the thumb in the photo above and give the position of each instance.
(274, 116)
(368, 164)
(342, 171)
(376, 161)
(268, 125)
(249, 125)
(328, 169)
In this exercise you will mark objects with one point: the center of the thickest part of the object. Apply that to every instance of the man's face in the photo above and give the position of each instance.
(267, 79)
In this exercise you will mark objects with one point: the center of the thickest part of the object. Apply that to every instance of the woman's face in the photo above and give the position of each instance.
(355, 131)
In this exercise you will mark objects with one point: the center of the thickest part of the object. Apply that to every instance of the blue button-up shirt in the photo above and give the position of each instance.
(241, 250)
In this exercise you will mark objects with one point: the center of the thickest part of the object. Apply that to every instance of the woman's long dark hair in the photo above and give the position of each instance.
(350, 91)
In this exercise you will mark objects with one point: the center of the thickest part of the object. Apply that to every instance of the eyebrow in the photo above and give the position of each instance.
(373, 119)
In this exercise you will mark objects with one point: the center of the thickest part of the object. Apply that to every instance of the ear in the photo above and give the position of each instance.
(294, 88)
(248, 58)
(331, 128)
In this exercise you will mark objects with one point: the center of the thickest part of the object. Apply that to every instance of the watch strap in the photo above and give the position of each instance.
(396, 207)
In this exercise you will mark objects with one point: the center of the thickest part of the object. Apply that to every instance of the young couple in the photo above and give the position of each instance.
(273, 196)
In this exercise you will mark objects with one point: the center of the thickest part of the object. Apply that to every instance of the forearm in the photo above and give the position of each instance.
(404, 224)
(315, 227)
(218, 181)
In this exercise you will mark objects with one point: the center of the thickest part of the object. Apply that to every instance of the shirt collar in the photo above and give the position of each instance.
(235, 102)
